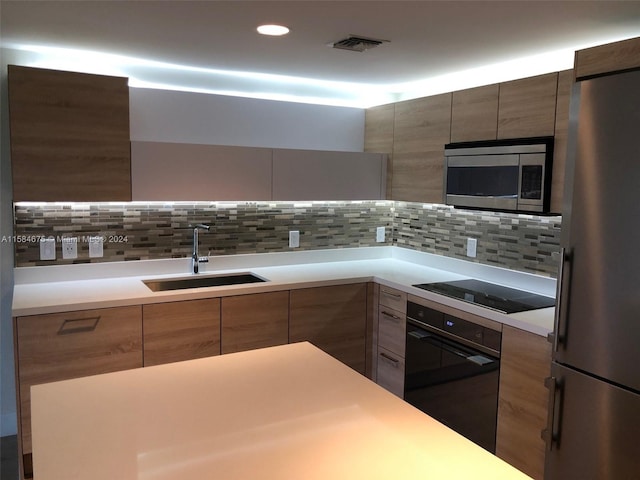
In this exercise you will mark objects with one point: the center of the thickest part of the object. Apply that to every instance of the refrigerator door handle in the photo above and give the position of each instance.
(551, 434)
(557, 335)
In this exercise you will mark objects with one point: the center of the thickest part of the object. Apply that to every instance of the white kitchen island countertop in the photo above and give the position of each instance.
(282, 413)
(53, 289)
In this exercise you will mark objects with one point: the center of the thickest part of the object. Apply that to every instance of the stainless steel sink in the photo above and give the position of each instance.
(161, 285)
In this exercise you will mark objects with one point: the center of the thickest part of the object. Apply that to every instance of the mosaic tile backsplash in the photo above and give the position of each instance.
(141, 231)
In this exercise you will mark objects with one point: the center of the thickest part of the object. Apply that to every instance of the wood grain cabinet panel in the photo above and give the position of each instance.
(527, 107)
(421, 129)
(255, 321)
(332, 318)
(69, 136)
(523, 398)
(62, 346)
(565, 85)
(474, 114)
(391, 368)
(378, 135)
(392, 329)
(606, 59)
(177, 331)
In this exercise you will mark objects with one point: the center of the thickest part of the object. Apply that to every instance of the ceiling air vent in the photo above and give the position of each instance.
(357, 44)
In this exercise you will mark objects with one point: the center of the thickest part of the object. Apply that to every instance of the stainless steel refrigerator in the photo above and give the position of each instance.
(594, 406)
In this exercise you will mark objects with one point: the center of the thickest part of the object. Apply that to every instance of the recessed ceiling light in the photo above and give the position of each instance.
(273, 30)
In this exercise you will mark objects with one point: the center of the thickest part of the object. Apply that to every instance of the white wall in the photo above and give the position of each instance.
(185, 117)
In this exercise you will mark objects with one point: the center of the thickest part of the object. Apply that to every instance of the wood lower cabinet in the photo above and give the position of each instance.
(392, 328)
(334, 319)
(62, 346)
(255, 321)
(523, 399)
(177, 331)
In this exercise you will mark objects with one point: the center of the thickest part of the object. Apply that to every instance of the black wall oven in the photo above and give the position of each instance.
(452, 372)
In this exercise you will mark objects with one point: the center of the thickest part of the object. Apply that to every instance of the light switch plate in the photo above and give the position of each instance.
(48, 248)
(294, 239)
(472, 244)
(380, 231)
(95, 247)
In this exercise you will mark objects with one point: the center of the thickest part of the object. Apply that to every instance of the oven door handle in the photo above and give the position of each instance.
(476, 358)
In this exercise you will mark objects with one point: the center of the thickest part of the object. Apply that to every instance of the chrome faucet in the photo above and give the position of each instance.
(195, 258)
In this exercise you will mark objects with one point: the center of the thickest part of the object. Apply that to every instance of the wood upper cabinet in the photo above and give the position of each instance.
(527, 107)
(255, 321)
(69, 136)
(421, 129)
(378, 135)
(474, 114)
(177, 331)
(523, 400)
(334, 319)
(606, 59)
(62, 346)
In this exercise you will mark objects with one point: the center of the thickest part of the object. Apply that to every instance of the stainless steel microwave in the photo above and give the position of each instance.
(505, 175)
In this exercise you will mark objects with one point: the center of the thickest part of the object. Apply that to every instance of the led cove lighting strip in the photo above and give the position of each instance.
(142, 73)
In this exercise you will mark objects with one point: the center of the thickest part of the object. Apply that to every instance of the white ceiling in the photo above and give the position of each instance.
(213, 46)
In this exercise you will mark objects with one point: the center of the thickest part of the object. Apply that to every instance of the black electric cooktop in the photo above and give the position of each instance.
(490, 295)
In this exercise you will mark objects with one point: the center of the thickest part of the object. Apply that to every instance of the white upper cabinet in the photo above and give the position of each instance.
(193, 172)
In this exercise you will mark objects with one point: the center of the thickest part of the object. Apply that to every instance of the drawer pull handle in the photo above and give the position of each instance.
(389, 294)
(391, 316)
(395, 362)
(78, 325)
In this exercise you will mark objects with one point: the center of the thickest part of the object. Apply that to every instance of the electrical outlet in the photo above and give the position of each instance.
(95, 247)
(472, 244)
(380, 231)
(48, 248)
(294, 239)
(69, 247)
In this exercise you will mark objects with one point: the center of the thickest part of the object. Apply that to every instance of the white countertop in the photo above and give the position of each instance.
(284, 413)
(54, 289)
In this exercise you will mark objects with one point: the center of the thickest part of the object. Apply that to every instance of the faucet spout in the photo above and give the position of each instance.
(196, 259)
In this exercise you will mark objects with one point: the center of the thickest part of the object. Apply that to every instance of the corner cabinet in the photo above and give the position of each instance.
(69, 136)
(334, 319)
(62, 346)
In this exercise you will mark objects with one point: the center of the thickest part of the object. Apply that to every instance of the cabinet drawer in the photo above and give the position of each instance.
(392, 298)
(392, 328)
(391, 372)
(69, 345)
